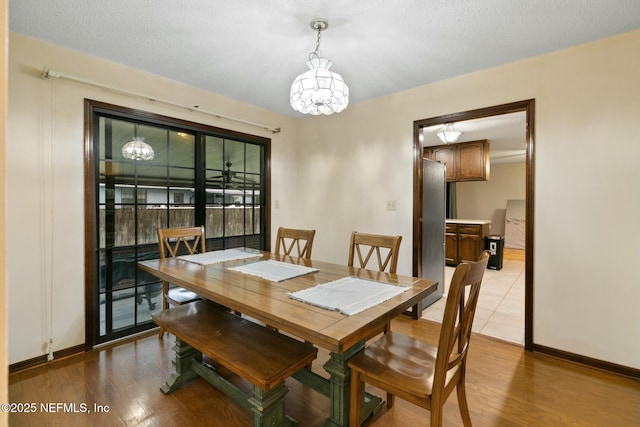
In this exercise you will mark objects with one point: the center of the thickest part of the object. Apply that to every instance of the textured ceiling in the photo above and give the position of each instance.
(251, 50)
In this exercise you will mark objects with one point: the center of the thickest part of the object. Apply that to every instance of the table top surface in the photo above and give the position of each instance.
(269, 302)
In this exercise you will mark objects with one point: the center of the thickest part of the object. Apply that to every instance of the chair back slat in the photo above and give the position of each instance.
(383, 246)
(302, 240)
(171, 240)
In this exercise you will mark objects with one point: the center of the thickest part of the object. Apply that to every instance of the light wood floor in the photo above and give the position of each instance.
(506, 386)
(513, 254)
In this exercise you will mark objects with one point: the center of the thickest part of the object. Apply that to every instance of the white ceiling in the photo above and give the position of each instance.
(251, 50)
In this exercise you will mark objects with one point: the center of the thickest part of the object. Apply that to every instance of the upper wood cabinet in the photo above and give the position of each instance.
(466, 161)
(446, 154)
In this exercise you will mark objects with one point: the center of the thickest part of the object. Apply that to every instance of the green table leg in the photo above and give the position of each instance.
(185, 357)
(340, 385)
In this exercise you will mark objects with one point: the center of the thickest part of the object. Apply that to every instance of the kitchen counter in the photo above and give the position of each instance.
(464, 239)
(468, 221)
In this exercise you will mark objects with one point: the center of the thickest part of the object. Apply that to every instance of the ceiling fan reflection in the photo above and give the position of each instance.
(229, 179)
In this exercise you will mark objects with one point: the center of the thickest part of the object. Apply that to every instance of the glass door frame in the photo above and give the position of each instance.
(95, 109)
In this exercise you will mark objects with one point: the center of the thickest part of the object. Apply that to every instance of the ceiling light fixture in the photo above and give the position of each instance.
(137, 149)
(448, 133)
(319, 90)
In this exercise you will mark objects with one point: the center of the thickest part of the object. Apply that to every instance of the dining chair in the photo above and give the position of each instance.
(418, 372)
(302, 240)
(175, 242)
(286, 239)
(386, 247)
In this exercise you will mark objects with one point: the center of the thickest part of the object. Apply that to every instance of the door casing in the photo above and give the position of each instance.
(528, 106)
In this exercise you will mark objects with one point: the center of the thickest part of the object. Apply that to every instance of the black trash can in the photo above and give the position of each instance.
(495, 245)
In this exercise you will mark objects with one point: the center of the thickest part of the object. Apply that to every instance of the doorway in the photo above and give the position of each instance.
(528, 107)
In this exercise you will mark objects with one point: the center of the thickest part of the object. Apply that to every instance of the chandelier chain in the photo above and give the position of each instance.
(315, 53)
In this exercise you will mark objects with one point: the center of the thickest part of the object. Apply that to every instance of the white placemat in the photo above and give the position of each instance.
(348, 295)
(218, 256)
(275, 271)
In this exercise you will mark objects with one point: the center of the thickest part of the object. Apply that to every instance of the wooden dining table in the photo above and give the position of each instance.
(269, 302)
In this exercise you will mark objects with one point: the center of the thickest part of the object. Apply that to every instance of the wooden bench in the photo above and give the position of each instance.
(261, 356)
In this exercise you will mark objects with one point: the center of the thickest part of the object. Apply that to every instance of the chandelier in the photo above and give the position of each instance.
(448, 133)
(137, 149)
(319, 90)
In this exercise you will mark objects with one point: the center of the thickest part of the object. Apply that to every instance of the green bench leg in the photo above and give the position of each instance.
(186, 356)
(268, 407)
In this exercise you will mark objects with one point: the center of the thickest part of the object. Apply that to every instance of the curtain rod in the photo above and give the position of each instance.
(49, 74)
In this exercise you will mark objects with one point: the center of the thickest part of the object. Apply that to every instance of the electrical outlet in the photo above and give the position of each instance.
(276, 204)
(391, 205)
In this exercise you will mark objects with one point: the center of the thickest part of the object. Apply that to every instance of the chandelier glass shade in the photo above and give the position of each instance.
(449, 134)
(137, 149)
(319, 90)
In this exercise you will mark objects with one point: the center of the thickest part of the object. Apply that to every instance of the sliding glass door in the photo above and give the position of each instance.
(197, 176)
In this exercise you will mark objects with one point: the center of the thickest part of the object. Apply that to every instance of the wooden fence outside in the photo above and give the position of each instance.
(238, 221)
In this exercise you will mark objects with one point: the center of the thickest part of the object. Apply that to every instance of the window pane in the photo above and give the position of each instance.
(123, 308)
(113, 135)
(181, 149)
(234, 221)
(254, 159)
(182, 216)
(214, 156)
(150, 174)
(149, 220)
(138, 196)
(182, 177)
(213, 224)
(158, 139)
(149, 301)
(116, 172)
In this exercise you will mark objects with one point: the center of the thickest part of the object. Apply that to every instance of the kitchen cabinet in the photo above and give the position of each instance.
(466, 161)
(464, 240)
(446, 154)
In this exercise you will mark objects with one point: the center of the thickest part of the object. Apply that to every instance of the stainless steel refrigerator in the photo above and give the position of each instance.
(434, 186)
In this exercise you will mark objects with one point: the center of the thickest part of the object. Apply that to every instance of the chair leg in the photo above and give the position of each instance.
(310, 364)
(436, 416)
(415, 315)
(462, 403)
(357, 395)
(391, 399)
(165, 305)
(165, 292)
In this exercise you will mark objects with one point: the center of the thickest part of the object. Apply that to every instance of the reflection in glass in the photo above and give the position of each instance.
(177, 188)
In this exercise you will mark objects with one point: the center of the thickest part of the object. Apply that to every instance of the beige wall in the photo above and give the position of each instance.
(488, 199)
(45, 209)
(336, 173)
(587, 108)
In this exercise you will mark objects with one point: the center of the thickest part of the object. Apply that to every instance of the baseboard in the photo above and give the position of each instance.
(573, 357)
(588, 361)
(75, 350)
(41, 360)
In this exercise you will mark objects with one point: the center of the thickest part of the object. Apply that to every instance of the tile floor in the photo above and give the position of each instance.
(500, 311)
